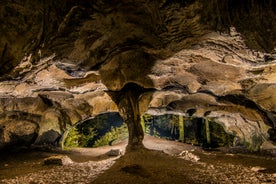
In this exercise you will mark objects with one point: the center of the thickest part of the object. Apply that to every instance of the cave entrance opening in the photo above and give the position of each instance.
(109, 129)
(187, 129)
(103, 129)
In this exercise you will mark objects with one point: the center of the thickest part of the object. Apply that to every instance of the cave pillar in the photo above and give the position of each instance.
(129, 110)
(127, 101)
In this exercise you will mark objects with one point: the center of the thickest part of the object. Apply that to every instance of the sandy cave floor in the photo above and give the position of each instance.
(159, 163)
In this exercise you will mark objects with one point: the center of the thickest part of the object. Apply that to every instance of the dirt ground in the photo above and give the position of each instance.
(162, 162)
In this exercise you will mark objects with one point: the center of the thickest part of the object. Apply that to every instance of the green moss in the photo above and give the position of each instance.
(218, 136)
(143, 124)
(181, 128)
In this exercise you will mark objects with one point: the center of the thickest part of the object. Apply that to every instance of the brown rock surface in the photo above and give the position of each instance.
(59, 65)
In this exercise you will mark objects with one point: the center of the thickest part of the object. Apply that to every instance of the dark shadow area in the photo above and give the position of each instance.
(253, 18)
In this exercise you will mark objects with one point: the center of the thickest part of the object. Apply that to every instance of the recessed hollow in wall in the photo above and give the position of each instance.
(109, 129)
(103, 129)
(192, 130)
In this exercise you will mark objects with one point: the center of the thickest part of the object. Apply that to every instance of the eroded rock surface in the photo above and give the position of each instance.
(80, 53)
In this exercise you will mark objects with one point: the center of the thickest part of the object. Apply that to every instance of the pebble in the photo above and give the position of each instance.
(258, 169)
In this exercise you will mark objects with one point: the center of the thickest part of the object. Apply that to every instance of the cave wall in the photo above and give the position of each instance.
(214, 58)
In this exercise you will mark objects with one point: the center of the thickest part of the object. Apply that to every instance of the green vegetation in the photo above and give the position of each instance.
(102, 130)
(107, 129)
(77, 138)
(218, 135)
(143, 123)
(115, 135)
(207, 130)
(181, 128)
(197, 131)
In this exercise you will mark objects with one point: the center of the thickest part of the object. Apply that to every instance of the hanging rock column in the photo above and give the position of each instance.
(127, 101)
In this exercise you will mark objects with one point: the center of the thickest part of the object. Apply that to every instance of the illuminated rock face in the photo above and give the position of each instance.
(67, 61)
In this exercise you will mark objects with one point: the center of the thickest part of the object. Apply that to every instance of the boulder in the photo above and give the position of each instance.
(114, 152)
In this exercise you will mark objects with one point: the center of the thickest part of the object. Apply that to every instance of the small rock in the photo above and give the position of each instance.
(233, 32)
(211, 166)
(114, 152)
(258, 169)
(189, 156)
(230, 154)
(58, 160)
(6, 165)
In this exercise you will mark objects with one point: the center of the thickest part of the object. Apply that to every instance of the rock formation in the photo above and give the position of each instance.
(64, 61)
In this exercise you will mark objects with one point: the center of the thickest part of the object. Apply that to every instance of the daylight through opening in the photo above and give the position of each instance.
(103, 129)
(192, 130)
(109, 129)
